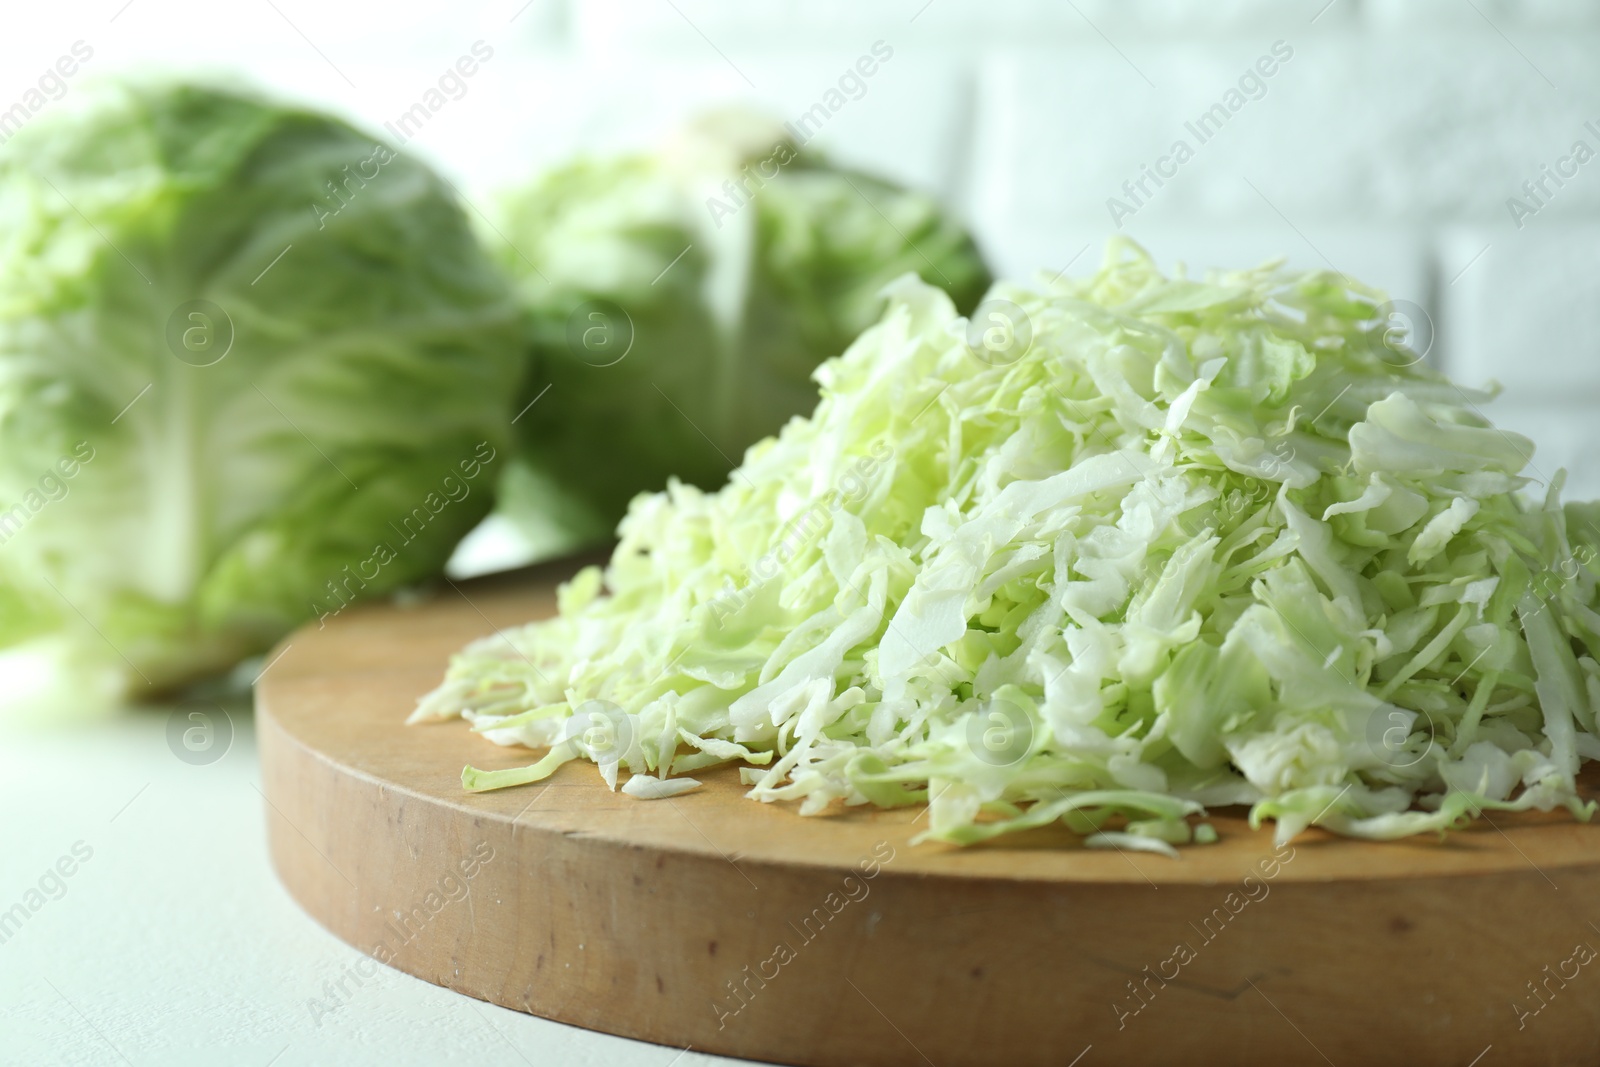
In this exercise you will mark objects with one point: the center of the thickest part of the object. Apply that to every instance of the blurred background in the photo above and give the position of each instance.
(1441, 149)
(1393, 144)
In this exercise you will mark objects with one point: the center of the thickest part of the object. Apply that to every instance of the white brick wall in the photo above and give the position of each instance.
(1512, 15)
(557, 104)
(961, 25)
(1523, 310)
(1355, 128)
(1386, 146)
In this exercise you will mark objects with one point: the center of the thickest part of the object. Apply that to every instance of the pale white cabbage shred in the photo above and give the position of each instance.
(1158, 545)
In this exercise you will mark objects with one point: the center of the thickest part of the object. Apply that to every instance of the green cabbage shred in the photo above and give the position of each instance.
(1115, 552)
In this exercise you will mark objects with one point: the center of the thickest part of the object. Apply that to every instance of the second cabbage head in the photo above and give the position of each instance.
(679, 302)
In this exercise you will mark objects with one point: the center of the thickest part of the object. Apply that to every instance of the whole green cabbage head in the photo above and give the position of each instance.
(253, 365)
(679, 302)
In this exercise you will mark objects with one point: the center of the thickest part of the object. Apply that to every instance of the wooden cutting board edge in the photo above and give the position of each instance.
(601, 914)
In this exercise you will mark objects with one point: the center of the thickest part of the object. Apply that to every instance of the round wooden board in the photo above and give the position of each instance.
(744, 929)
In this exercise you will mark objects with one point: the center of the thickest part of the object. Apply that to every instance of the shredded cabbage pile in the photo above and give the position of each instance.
(1115, 551)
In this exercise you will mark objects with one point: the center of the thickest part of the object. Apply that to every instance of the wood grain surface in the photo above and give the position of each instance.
(740, 928)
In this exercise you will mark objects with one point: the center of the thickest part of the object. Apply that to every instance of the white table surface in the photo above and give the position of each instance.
(174, 943)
